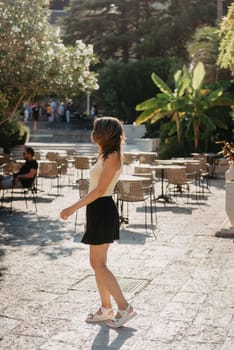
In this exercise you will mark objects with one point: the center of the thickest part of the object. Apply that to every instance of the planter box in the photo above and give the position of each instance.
(133, 132)
(230, 201)
(148, 145)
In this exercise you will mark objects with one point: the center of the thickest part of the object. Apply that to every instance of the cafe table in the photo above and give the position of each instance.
(162, 168)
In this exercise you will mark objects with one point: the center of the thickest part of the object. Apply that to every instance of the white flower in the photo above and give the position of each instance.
(80, 80)
(15, 29)
(50, 52)
(89, 50)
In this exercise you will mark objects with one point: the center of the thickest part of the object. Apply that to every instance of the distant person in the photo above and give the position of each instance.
(35, 115)
(68, 112)
(102, 227)
(25, 176)
(53, 110)
(27, 112)
(61, 112)
(48, 112)
(94, 111)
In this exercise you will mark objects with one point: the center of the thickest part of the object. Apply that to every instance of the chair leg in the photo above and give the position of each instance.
(76, 217)
(12, 194)
(146, 226)
(25, 199)
(34, 194)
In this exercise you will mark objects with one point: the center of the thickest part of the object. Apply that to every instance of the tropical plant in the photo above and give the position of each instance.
(188, 103)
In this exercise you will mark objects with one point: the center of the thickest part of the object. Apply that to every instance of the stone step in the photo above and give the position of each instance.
(60, 135)
(51, 138)
(75, 123)
(81, 148)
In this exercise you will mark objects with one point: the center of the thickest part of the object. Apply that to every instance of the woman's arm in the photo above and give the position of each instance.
(110, 166)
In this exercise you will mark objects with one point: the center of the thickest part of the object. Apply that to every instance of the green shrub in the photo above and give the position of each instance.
(13, 133)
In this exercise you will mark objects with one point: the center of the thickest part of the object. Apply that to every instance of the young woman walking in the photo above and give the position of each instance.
(103, 220)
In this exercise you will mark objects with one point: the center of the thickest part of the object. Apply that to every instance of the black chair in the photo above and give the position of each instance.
(25, 191)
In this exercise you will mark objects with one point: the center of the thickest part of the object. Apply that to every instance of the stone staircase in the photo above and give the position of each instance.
(59, 136)
(60, 132)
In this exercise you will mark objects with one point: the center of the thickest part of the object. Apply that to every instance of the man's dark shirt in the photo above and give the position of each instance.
(25, 169)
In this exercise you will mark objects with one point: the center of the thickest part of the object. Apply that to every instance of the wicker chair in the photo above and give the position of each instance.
(63, 168)
(49, 170)
(179, 182)
(129, 159)
(81, 164)
(143, 171)
(135, 192)
(11, 167)
(147, 158)
(193, 172)
(5, 158)
(52, 156)
(204, 174)
(83, 187)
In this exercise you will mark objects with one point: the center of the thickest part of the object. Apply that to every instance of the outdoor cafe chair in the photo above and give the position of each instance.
(147, 158)
(144, 171)
(83, 188)
(82, 164)
(179, 182)
(135, 191)
(49, 170)
(25, 191)
(11, 167)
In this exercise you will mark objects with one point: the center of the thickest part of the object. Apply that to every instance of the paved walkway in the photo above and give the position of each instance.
(180, 284)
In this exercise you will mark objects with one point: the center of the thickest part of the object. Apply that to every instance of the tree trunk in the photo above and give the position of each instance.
(196, 134)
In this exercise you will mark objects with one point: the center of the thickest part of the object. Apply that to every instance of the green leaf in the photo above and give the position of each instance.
(158, 117)
(161, 84)
(177, 78)
(151, 103)
(198, 76)
(214, 95)
(227, 99)
(220, 124)
(146, 115)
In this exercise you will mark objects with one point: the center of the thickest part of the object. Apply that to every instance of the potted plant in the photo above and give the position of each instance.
(228, 152)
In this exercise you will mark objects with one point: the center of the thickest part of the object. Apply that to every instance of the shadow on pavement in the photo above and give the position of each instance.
(129, 235)
(101, 341)
(28, 229)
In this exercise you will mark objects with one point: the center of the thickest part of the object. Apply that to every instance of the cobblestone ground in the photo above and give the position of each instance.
(181, 283)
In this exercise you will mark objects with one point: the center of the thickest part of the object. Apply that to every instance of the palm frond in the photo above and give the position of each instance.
(161, 84)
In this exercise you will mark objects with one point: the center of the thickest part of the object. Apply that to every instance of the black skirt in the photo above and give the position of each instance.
(102, 222)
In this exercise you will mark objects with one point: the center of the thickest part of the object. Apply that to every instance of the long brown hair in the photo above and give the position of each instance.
(108, 133)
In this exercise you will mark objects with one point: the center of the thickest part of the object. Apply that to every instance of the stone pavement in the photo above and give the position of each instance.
(181, 283)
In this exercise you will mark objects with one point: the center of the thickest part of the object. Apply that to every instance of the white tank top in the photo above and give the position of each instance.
(95, 173)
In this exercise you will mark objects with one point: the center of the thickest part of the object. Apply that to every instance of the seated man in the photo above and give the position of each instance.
(25, 176)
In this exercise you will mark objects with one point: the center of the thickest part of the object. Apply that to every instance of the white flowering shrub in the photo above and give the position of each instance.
(33, 59)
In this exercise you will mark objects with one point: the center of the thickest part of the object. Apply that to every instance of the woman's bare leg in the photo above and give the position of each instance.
(106, 281)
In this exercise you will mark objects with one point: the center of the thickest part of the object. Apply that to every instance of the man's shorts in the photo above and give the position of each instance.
(7, 181)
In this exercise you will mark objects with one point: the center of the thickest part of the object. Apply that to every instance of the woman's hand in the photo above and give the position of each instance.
(65, 213)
